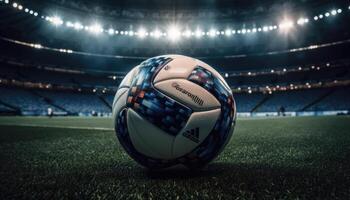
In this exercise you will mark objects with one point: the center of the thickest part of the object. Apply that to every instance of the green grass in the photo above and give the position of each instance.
(287, 158)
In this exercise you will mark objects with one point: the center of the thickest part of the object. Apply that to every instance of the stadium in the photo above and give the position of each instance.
(287, 64)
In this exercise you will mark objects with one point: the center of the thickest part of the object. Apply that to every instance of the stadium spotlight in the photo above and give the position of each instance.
(327, 14)
(141, 33)
(56, 21)
(20, 7)
(131, 33)
(7, 1)
(35, 14)
(96, 29)
(157, 33)
(187, 33)
(244, 31)
(333, 12)
(69, 24)
(226, 75)
(315, 18)
(228, 32)
(37, 46)
(173, 33)
(265, 28)
(320, 16)
(259, 29)
(198, 33)
(31, 12)
(254, 30)
(212, 32)
(78, 26)
(339, 10)
(286, 25)
(302, 21)
(233, 31)
(111, 31)
(15, 5)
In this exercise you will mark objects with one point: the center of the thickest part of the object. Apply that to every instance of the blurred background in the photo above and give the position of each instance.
(280, 58)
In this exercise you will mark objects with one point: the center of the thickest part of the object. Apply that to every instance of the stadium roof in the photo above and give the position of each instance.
(237, 36)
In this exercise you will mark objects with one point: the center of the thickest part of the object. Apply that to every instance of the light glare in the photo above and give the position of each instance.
(56, 21)
(96, 28)
(141, 33)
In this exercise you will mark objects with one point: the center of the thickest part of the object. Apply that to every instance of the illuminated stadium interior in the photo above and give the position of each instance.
(89, 109)
(54, 54)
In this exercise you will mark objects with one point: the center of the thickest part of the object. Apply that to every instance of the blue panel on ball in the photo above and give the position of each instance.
(152, 105)
(217, 138)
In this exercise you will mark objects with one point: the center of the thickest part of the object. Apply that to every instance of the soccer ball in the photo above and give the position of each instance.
(173, 109)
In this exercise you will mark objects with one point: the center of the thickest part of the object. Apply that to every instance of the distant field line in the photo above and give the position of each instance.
(58, 126)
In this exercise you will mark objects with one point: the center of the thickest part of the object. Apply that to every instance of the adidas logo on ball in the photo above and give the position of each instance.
(192, 134)
(194, 98)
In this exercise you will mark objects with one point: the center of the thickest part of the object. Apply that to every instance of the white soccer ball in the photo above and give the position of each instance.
(173, 109)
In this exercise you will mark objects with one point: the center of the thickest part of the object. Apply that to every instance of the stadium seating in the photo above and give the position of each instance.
(35, 101)
(38, 101)
(77, 102)
(24, 100)
(109, 98)
(4, 108)
(247, 102)
(291, 100)
(339, 99)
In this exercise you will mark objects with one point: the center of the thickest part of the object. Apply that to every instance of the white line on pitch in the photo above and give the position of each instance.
(57, 126)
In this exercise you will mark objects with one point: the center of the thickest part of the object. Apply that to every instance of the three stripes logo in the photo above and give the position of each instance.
(192, 134)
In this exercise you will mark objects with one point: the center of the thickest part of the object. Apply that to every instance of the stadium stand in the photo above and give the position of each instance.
(339, 99)
(4, 108)
(291, 100)
(77, 103)
(37, 92)
(25, 101)
(247, 102)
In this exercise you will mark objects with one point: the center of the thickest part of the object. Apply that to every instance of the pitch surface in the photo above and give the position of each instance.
(284, 158)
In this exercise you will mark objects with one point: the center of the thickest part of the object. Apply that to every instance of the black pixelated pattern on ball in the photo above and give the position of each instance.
(152, 105)
(218, 137)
